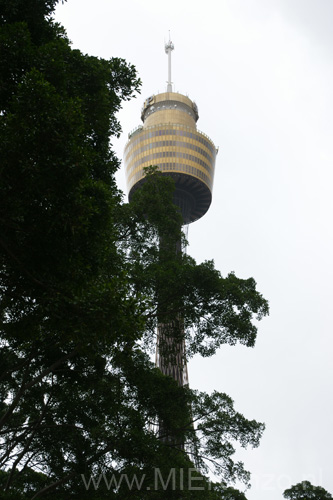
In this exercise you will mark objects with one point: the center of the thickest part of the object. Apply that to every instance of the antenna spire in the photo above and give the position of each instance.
(169, 47)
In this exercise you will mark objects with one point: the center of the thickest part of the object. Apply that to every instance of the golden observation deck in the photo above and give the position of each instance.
(170, 140)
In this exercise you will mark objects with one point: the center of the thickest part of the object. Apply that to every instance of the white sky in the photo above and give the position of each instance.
(261, 73)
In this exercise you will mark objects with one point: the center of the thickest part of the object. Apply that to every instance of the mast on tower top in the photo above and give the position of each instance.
(169, 47)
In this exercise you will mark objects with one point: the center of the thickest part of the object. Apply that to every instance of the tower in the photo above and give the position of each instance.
(170, 140)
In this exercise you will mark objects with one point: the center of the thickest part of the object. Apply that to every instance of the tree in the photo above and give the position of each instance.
(306, 491)
(81, 278)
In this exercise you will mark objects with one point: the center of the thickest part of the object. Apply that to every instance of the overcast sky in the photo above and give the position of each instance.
(261, 73)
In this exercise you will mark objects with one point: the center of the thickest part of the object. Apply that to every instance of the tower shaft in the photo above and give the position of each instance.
(170, 345)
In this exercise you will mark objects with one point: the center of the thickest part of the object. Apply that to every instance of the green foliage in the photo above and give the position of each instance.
(216, 310)
(224, 492)
(84, 281)
(306, 491)
(218, 426)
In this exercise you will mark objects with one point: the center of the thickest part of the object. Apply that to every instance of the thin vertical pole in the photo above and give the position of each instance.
(169, 47)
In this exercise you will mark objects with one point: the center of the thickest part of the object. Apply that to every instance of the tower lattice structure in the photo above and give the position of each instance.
(169, 139)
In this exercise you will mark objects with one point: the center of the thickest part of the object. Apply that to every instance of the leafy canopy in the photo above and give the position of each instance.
(83, 286)
(306, 491)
